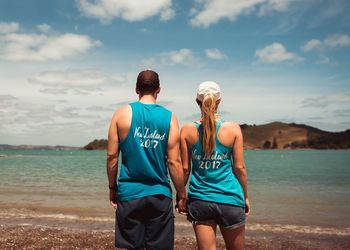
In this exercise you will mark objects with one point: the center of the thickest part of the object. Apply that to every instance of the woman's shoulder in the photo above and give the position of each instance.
(189, 133)
(230, 129)
(231, 125)
(188, 127)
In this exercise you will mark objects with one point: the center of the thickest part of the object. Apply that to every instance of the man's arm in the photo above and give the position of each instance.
(240, 169)
(174, 163)
(185, 154)
(112, 160)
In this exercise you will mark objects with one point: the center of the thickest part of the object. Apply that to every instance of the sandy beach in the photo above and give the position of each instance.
(41, 237)
(34, 230)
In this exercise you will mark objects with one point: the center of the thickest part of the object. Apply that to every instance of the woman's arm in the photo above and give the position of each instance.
(240, 169)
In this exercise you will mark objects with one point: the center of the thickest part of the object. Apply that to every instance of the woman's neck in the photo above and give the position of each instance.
(215, 115)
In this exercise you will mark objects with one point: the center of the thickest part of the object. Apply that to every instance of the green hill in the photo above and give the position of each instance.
(278, 135)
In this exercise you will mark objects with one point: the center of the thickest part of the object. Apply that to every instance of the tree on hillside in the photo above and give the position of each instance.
(274, 143)
(266, 145)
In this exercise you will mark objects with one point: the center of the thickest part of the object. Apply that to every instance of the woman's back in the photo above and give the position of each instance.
(213, 177)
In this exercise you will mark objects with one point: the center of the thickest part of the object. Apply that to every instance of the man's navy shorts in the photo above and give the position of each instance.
(147, 222)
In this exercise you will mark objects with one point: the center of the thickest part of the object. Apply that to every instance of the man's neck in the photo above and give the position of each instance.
(147, 99)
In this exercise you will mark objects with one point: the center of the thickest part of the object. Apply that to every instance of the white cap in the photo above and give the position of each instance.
(208, 87)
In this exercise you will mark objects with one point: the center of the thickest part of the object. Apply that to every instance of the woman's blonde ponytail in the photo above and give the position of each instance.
(208, 124)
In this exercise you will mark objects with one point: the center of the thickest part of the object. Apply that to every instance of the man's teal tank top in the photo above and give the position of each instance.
(214, 179)
(143, 171)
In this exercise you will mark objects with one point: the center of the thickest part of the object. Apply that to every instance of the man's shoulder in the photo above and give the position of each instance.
(122, 111)
(164, 108)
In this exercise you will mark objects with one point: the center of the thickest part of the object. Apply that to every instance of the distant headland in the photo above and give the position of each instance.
(37, 147)
(277, 135)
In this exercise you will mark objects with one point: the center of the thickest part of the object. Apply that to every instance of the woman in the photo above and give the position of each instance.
(218, 187)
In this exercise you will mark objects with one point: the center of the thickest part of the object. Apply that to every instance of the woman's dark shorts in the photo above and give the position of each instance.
(209, 213)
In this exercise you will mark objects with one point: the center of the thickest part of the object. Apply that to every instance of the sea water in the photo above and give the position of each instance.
(286, 187)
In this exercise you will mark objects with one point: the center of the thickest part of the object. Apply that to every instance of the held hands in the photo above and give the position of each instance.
(113, 198)
(247, 207)
(181, 205)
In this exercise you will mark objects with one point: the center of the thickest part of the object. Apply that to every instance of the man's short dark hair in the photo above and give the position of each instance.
(147, 81)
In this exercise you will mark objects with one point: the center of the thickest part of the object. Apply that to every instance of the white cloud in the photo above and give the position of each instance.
(136, 10)
(273, 5)
(215, 54)
(275, 53)
(55, 91)
(331, 41)
(5, 98)
(73, 78)
(44, 27)
(99, 109)
(311, 45)
(183, 56)
(337, 40)
(327, 11)
(37, 112)
(8, 27)
(210, 12)
(42, 47)
(167, 14)
(326, 100)
(323, 60)
(341, 113)
(165, 102)
(24, 120)
(74, 81)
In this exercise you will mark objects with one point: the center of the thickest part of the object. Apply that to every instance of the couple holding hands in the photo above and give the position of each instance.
(147, 136)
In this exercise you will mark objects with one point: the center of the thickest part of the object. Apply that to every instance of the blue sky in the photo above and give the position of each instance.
(65, 65)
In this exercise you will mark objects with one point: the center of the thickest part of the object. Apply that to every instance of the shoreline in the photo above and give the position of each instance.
(35, 230)
(104, 220)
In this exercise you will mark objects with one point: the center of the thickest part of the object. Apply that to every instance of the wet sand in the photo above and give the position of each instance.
(41, 237)
(20, 229)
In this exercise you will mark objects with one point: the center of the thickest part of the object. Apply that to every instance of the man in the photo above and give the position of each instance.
(147, 135)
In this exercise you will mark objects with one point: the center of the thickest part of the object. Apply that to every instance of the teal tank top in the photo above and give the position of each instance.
(143, 169)
(214, 179)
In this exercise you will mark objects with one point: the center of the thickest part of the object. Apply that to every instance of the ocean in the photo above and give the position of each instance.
(307, 190)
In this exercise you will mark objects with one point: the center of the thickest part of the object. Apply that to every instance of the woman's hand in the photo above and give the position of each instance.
(113, 197)
(181, 205)
(247, 207)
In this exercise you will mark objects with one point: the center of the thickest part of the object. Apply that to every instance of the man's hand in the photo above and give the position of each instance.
(113, 198)
(181, 205)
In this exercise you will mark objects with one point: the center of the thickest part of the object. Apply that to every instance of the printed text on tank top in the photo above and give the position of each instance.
(148, 138)
(215, 159)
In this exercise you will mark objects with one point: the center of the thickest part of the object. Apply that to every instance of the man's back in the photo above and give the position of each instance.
(143, 170)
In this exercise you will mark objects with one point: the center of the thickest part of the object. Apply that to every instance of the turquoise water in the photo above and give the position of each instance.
(297, 187)
(308, 187)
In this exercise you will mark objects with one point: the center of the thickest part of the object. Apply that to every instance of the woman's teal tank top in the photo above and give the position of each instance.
(214, 179)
